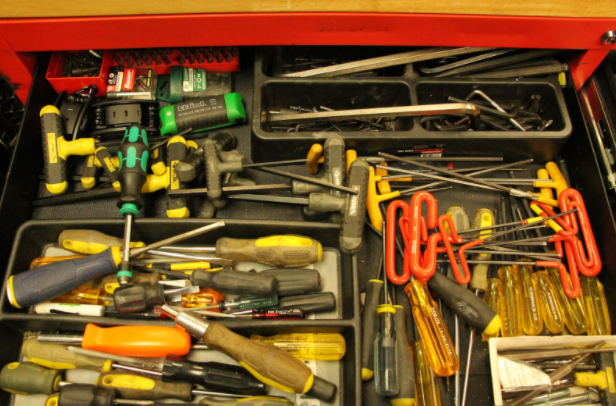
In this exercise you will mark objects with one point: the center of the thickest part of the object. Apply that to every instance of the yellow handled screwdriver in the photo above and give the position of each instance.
(56, 149)
(548, 304)
(597, 311)
(57, 356)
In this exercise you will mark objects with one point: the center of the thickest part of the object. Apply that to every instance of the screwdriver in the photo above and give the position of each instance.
(26, 378)
(404, 355)
(312, 303)
(132, 174)
(241, 303)
(548, 303)
(532, 322)
(56, 149)
(429, 320)
(44, 283)
(83, 295)
(374, 295)
(138, 298)
(427, 392)
(56, 356)
(267, 363)
(205, 297)
(492, 299)
(110, 282)
(131, 385)
(90, 242)
(136, 341)
(42, 261)
(293, 282)
(510, 304)
(235, 282)
(597, 311)
(271, 314)
(308, 346)
(215, 376)
(277, 250)
(573, 310)
(385, 342)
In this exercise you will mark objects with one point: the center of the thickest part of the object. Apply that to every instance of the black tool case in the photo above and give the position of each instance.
(396, 86)
(18, 248)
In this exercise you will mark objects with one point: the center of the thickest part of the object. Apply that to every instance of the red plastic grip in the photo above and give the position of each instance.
(390, 243)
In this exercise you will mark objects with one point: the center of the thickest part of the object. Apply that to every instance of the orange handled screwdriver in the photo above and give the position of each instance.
(135, 341)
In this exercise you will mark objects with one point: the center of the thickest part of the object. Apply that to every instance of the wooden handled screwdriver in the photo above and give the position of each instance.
(267, 363)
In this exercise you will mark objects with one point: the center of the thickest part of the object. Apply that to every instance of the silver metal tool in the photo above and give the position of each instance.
(484, 96)
(453, 109)
(384, 61)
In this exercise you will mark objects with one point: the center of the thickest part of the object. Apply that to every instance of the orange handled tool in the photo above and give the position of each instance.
(134, 341)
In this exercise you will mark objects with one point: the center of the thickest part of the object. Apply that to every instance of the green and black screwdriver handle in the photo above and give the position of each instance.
(56, 149)
(133, 156)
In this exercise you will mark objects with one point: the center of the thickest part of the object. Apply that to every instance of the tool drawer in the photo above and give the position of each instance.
(27, 230)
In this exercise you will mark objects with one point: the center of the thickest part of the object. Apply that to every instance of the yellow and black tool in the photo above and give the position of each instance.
(57, 149)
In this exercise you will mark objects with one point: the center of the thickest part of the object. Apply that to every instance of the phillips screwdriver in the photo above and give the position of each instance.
(44, 283)
(84, 295)
(137, 341)
(385, 359)
(270, 314)
(57, 356)
(374, 297)
(131, 385)
(276, 250)
(267, 363)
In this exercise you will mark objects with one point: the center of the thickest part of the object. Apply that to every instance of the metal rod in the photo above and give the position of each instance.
(493, 262)
(445, 172)
(142, 363)
(385, 61)
(453, 109)
(308, 179)
(220, 261)
(271, 199)
(201, 249)
(230, 189)
(135, 252)
(276, 163)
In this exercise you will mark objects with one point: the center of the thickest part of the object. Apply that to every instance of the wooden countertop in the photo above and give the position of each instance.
(73, 8)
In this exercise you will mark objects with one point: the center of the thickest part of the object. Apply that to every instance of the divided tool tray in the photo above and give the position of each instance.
(396, 86)
(34, 236)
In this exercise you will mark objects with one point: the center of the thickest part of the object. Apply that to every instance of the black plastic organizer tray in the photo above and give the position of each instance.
(396, 86)
(34, 236)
